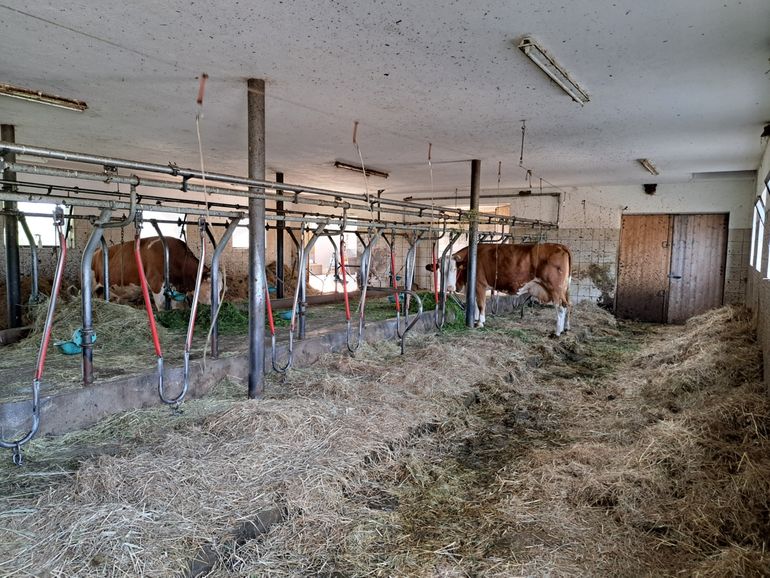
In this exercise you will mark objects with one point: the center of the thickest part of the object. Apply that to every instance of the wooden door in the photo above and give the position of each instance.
(643, 266)
(670, 267)
(698, 256)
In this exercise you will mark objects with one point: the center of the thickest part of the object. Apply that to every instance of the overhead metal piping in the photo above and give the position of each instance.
(186, 174)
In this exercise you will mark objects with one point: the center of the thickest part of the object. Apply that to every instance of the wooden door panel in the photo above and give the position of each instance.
(698, 256)
(643, 266)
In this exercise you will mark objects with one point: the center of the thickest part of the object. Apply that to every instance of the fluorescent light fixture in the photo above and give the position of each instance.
(547, 64)
(360, 169)
(42, 97)
(647, 164)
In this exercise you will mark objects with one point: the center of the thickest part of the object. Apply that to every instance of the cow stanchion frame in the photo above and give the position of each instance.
(215, 297)
(167, 291)
(151, 318)
(406, 292)
(304, 251)
(45, 340)
(366, 261)
(105, 267)
(439, 313)
(87, 278)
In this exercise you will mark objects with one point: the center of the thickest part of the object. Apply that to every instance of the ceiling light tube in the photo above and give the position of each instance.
(647, 164)
(42, 97)
(547, 64)
(360, 169)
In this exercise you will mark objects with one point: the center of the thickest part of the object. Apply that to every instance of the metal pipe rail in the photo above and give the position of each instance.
(45, 340)
(366, 262)
(215, 297)
(510, 221)
(408, 325)
(121, 205)
(166, 266)
(440, 318)
(87, 281)
(186, 174)
(105, 267)
(286, 215)
(86, 284)
(34, 296)
(112, 205)
(191, 324)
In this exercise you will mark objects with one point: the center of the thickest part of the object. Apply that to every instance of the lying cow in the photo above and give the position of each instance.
(183, 268)
(542, 271)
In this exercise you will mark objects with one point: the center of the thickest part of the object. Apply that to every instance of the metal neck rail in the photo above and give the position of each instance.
(45, 340)
(381, 204)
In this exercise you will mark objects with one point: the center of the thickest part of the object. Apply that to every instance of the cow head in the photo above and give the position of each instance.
(456, 277)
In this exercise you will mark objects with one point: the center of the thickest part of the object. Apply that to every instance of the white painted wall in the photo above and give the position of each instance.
(604, 205)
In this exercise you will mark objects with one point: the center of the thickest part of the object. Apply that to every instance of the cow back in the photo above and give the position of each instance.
(508, 267)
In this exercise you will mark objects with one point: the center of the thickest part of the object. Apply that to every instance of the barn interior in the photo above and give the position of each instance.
(317, 156)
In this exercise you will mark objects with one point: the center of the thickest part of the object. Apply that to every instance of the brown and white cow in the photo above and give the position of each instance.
(183, 268)
(542, 271)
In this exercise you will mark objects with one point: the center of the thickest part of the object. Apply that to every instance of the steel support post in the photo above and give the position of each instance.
(279, 257)
(473, 243)
(12, 268)
(257, 284)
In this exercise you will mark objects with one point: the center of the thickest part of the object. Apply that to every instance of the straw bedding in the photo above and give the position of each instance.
(621, 449)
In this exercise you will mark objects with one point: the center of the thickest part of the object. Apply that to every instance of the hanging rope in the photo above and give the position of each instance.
(363, 167)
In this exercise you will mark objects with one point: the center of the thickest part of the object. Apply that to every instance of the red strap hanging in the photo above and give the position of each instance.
(269, 311)
(146, 294)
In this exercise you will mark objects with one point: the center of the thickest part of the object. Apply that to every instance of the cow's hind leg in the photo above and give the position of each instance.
(561, 318)
(481, 304)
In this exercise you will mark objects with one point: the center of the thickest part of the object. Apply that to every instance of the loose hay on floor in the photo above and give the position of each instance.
(582, 456)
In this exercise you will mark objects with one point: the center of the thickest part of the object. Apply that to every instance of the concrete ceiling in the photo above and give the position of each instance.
(684, 83)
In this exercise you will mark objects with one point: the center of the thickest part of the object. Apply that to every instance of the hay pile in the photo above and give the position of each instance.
(581, 456)
(123, 343)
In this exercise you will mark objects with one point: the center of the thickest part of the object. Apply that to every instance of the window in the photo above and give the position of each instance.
(760, 236)
(42, 229)
(240, 239)
(171, 228)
